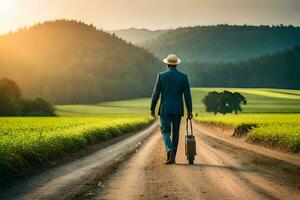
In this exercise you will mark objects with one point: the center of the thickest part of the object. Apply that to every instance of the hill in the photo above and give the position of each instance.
(279, 70)
(223, 42)
(71, 62)
(135, 35)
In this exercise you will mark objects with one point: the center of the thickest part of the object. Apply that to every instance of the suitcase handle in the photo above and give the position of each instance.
(187, 126)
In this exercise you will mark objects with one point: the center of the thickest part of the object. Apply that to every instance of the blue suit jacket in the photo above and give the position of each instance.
(172, 85)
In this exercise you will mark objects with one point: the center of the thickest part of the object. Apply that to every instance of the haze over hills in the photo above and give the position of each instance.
(234, 56)
(223, 42)
(279, 70)
(71, 62)
(136, 36)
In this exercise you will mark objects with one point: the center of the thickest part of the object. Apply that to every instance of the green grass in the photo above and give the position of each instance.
(264, 110)
(134, 107)
(263, 118)
(282, 130)
(259, 100)
(34, 141)
(26, 142)
(282, 135)
(265, 102)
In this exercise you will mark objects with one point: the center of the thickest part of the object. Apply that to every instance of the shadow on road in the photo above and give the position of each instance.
(216, 166)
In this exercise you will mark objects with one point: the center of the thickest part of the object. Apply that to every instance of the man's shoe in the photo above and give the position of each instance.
(168, 156)
(174, 162)
(171, 158)
(174, 158)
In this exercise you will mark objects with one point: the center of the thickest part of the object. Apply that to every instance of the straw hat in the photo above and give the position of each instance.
(172, 59)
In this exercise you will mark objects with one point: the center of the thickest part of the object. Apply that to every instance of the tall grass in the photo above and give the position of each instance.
(26, 142)
(282, 130)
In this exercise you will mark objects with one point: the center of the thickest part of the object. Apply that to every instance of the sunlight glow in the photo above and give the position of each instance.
(7, 7)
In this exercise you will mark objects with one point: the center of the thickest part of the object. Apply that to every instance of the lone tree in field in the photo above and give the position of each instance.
(224, 102)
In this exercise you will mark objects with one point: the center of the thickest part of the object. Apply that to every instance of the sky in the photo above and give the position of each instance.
(150, 14)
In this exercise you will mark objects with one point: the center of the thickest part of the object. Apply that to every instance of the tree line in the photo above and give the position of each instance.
(223, 43)
(279, 70)
(12, 102)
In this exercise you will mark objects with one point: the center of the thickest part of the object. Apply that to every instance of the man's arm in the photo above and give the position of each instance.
(188, 97)
(155, 95)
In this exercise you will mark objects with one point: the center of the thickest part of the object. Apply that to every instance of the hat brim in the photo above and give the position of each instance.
(177, 63)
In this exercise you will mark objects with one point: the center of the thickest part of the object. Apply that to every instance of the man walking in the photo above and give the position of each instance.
(171, 85)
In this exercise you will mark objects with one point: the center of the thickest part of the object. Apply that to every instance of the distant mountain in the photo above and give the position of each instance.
(223, 42)
(279, 70)
(135, 35)
(71, 62)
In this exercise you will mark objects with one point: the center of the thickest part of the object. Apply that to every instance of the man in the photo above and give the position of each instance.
(171, 85)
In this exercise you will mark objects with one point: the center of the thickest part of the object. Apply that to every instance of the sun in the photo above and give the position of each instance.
(7, 7)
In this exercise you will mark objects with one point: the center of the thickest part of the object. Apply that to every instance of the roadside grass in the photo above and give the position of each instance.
(27, 142)
(262, 109)
(286, 136)
(263, 118)
(34, 141)
(277, 130)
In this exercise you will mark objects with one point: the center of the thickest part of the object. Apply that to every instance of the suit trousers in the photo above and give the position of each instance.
(170, 124)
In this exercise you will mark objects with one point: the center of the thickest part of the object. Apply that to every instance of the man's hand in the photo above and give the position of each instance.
(153, 113)
(190, 115)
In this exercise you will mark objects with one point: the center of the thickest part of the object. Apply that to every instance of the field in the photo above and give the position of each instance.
(272, 111)
(259, 101)
(27, 142)
(262, 100)
(280, 130)
(34, 141)
(275, 109)
(134, 107)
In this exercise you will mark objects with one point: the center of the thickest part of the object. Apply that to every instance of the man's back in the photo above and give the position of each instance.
(172, 84)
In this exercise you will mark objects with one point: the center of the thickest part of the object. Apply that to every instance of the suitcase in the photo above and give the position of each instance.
(190, 143)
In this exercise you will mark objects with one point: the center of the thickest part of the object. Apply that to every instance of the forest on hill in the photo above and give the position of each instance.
(71, 62)
(279, 70)
(136, 36)
(223, 43)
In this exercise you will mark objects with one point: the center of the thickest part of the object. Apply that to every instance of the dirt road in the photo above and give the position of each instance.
(68, 180)
(225, 168)
(221, 171)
